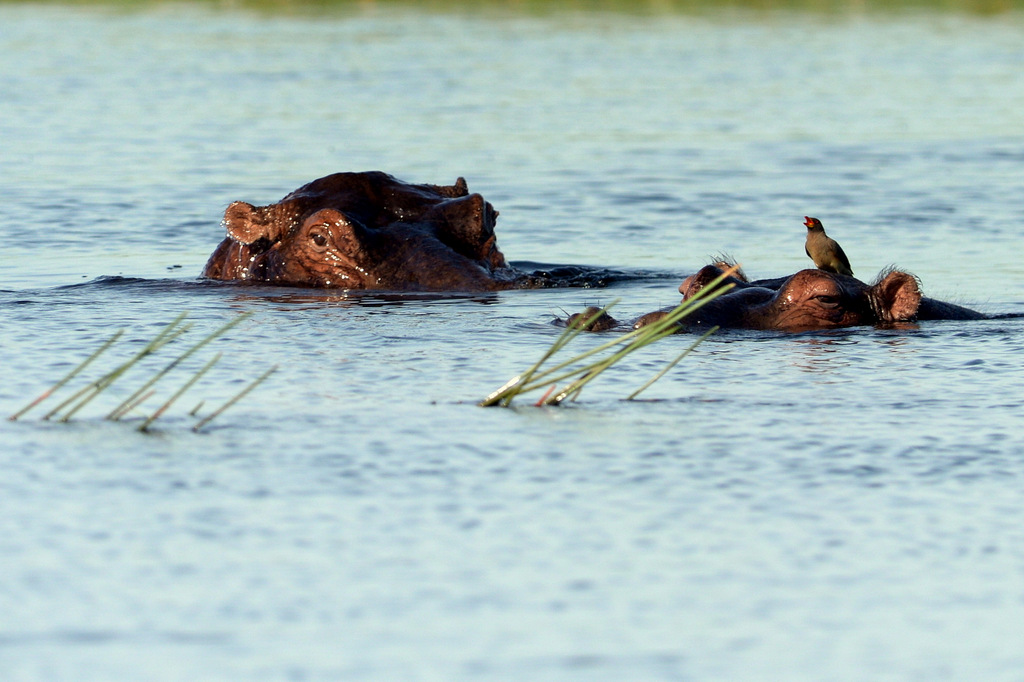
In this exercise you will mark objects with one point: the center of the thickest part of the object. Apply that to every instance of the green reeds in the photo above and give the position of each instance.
(123, 408)
(176, 329)
(68, 377)
(177, 394)
(256, 382)
(85, 395)
(583, 373)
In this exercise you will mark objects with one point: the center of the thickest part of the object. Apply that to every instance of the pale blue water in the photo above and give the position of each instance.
(780, 507)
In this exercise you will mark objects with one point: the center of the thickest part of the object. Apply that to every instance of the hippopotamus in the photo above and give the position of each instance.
(812, 299)
(365, 231)
(372, 231)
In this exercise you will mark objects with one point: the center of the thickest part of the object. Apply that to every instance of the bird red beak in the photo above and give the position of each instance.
(807, 221)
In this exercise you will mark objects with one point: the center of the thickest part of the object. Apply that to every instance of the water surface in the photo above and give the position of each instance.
(842, 505)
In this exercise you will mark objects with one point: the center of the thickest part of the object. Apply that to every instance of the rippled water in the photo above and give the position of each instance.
(843, 505)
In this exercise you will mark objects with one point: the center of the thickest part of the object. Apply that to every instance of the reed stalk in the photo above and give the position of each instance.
(188, 384)
(592, 371)
(130, 402)
(241, 394)
(141, 399)
(672, 364)
(68, 377)
(90, 391)
(632, 341)
(512, 388)
(169, 333)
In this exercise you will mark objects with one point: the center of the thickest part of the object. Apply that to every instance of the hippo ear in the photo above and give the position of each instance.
(246, 224)
(467, 225)
(459, 189)
(897, 296)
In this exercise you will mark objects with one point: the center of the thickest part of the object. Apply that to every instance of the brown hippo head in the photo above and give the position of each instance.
(810, 299)
(365, 231)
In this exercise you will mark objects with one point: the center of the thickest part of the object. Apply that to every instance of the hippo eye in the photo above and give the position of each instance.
(827, 301)
(319, 238)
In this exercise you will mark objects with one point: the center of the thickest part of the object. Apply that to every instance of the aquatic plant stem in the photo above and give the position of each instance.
(635, 340)
(259, 380)
(166, 335)
(141, 399)
(127, 404)
(188, 384)
(512, 387)
(652, 334)
(672, 364)
(544, 377)
(545, 396)
(631, 341)
(69, 376)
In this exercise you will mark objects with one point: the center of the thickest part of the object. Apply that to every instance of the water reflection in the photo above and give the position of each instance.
(245, 291)
(318, 298)
(821, 354)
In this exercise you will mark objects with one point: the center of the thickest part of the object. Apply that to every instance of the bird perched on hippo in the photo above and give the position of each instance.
(825, 251)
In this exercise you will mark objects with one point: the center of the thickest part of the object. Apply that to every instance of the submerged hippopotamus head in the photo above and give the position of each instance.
(365, 231)
(813, 299)
(809, 299)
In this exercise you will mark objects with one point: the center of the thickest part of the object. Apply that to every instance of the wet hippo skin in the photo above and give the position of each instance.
(814, 299)
(372, 231)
